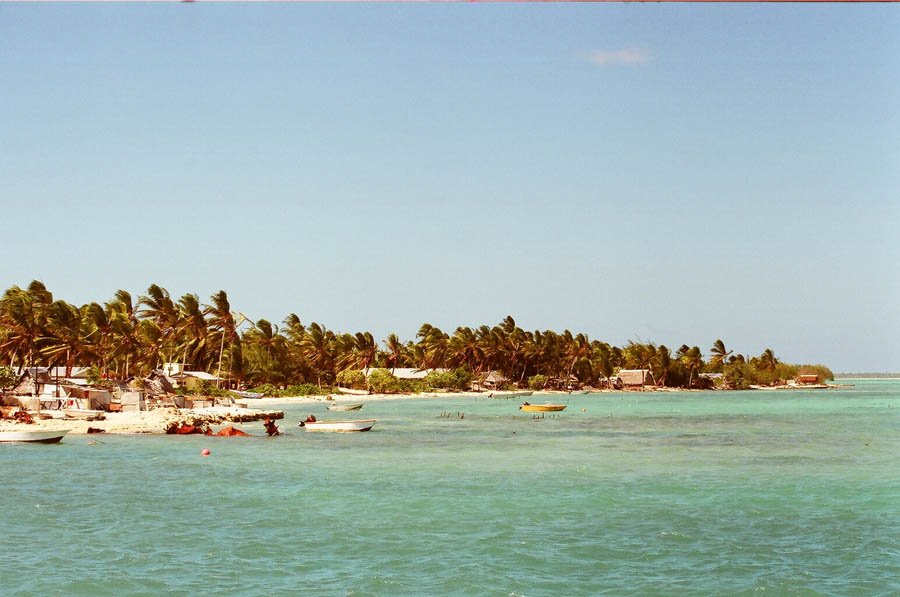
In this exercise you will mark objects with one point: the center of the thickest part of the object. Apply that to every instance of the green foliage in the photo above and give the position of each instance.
(8, 377)
(93, 375)
(305, 389)
(204, 387)
(265, 389)
(738, 376)
(382, 381)
(538, 382)
(351, 378)
(458, 379)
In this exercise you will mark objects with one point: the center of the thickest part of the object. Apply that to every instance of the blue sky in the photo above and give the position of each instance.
(668, 173)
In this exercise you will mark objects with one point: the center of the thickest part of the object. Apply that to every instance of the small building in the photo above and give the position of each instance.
(492, 380)
(808, 378)
(631, 378)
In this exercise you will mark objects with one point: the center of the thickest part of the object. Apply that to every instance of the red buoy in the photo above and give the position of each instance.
(205, 452)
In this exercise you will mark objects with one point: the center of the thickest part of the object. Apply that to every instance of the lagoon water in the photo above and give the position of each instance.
(774, 493)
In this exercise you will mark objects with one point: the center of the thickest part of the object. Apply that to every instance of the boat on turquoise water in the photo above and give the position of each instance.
(348, 406)
(32, 436)
(541, 408)
(525, 393)
(355, 425)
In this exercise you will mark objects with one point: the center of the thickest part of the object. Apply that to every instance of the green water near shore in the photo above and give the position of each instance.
(780, 493)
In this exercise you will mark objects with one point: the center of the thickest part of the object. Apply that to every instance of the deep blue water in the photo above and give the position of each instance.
(775, 493)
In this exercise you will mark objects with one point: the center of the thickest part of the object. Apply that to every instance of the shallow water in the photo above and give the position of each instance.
(780, 493)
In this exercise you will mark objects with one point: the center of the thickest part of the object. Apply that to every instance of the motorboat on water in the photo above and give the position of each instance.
(541, 408)
(344, 407)
(32, 436)
(354, 425)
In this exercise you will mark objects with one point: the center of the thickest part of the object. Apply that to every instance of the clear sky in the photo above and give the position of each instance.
(668, 173)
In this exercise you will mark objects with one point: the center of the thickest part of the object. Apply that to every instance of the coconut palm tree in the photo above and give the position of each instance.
(718, 354)
(317, 348)
(66, 339)
(394, 353)
(158, 306)
(693, 360)
(222, 323)
(23, 314)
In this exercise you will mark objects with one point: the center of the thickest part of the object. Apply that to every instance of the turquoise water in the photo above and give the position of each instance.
(775, 493)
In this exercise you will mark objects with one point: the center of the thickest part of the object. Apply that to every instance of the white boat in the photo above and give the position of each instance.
(348, 406)
(503, 395)
(247, 395)
(33, 436)
(353, 392)
(357, 425)
(525, 393)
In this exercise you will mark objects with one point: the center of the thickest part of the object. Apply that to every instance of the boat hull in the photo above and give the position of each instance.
(345, 407)
(35, 437)
(542, 408)
(339, 426)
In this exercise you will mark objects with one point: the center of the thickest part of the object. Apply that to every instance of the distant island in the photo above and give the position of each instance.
(867, 375)
(122, 339)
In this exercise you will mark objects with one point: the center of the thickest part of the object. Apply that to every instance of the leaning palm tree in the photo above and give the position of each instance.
(221, 322)
(718, 353)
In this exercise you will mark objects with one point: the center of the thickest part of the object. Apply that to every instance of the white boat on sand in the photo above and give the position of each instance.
(32, 436)
(348, 406)
(353, 392)
(357, 425)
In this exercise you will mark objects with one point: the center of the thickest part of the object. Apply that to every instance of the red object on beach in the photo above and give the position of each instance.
(205, 452)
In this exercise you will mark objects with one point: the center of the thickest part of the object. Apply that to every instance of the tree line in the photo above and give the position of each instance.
(127, 337)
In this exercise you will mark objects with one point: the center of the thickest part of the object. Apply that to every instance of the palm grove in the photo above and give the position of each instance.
(126, 337)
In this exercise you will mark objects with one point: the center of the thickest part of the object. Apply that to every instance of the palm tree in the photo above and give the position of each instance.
(718, 354)
(23, 313)
(67, 337)
(316, 346)
(222, 322)
(395, 351)
(693, 360)
(159, 307)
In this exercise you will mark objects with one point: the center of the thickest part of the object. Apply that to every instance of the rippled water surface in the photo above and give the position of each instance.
(776, 493)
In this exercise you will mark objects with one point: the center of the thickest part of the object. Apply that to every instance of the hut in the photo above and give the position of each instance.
(633, 378)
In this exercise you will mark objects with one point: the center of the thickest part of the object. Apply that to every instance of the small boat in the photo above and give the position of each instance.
(525, 393)
(38, 437)
(353, 406)
(503, 395)
(357, 425)
(541, 408)
(353, 392)
(247, 395)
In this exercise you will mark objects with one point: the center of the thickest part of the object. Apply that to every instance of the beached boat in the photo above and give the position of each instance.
(354, 406)
(357, 425)
(32, 436)
(353, 392)
(542, 408)
(247, 395)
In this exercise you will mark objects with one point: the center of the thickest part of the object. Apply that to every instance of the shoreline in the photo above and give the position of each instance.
(157, 421)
